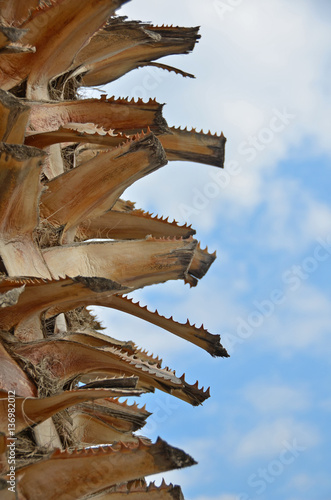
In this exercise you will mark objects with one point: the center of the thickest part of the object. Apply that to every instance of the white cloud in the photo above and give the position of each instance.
(266, 397)
(254, 60)
(302, 322)
(246, 117)
(267, 440)
(302, 482)
(292, 219)
(318, 220)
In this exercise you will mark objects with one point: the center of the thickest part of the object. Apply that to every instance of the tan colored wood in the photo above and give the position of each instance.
(31, 411)
(14, 117)
(136, 224)
(138, 490)
(93, 187)
(122, 115)
(19, 197)
(133, 264)
(93, 431)
(56, 42)
(13, 377)
(68, 361)
(39, 295)
(73, 475)
(163, 41)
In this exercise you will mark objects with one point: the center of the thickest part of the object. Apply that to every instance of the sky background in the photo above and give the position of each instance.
(263, 78)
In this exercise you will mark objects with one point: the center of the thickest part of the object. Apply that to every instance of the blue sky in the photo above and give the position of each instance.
(263, 78)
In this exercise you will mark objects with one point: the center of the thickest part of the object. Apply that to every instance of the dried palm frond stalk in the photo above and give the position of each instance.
(64, 164)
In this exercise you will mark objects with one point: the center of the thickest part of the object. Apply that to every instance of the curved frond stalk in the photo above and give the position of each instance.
(81, 473)
(136, 224)
(151, 260)
(93, 188)
(123, 115)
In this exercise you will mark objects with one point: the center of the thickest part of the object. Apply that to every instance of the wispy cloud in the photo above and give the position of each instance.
(267, 439)
(270, 398)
